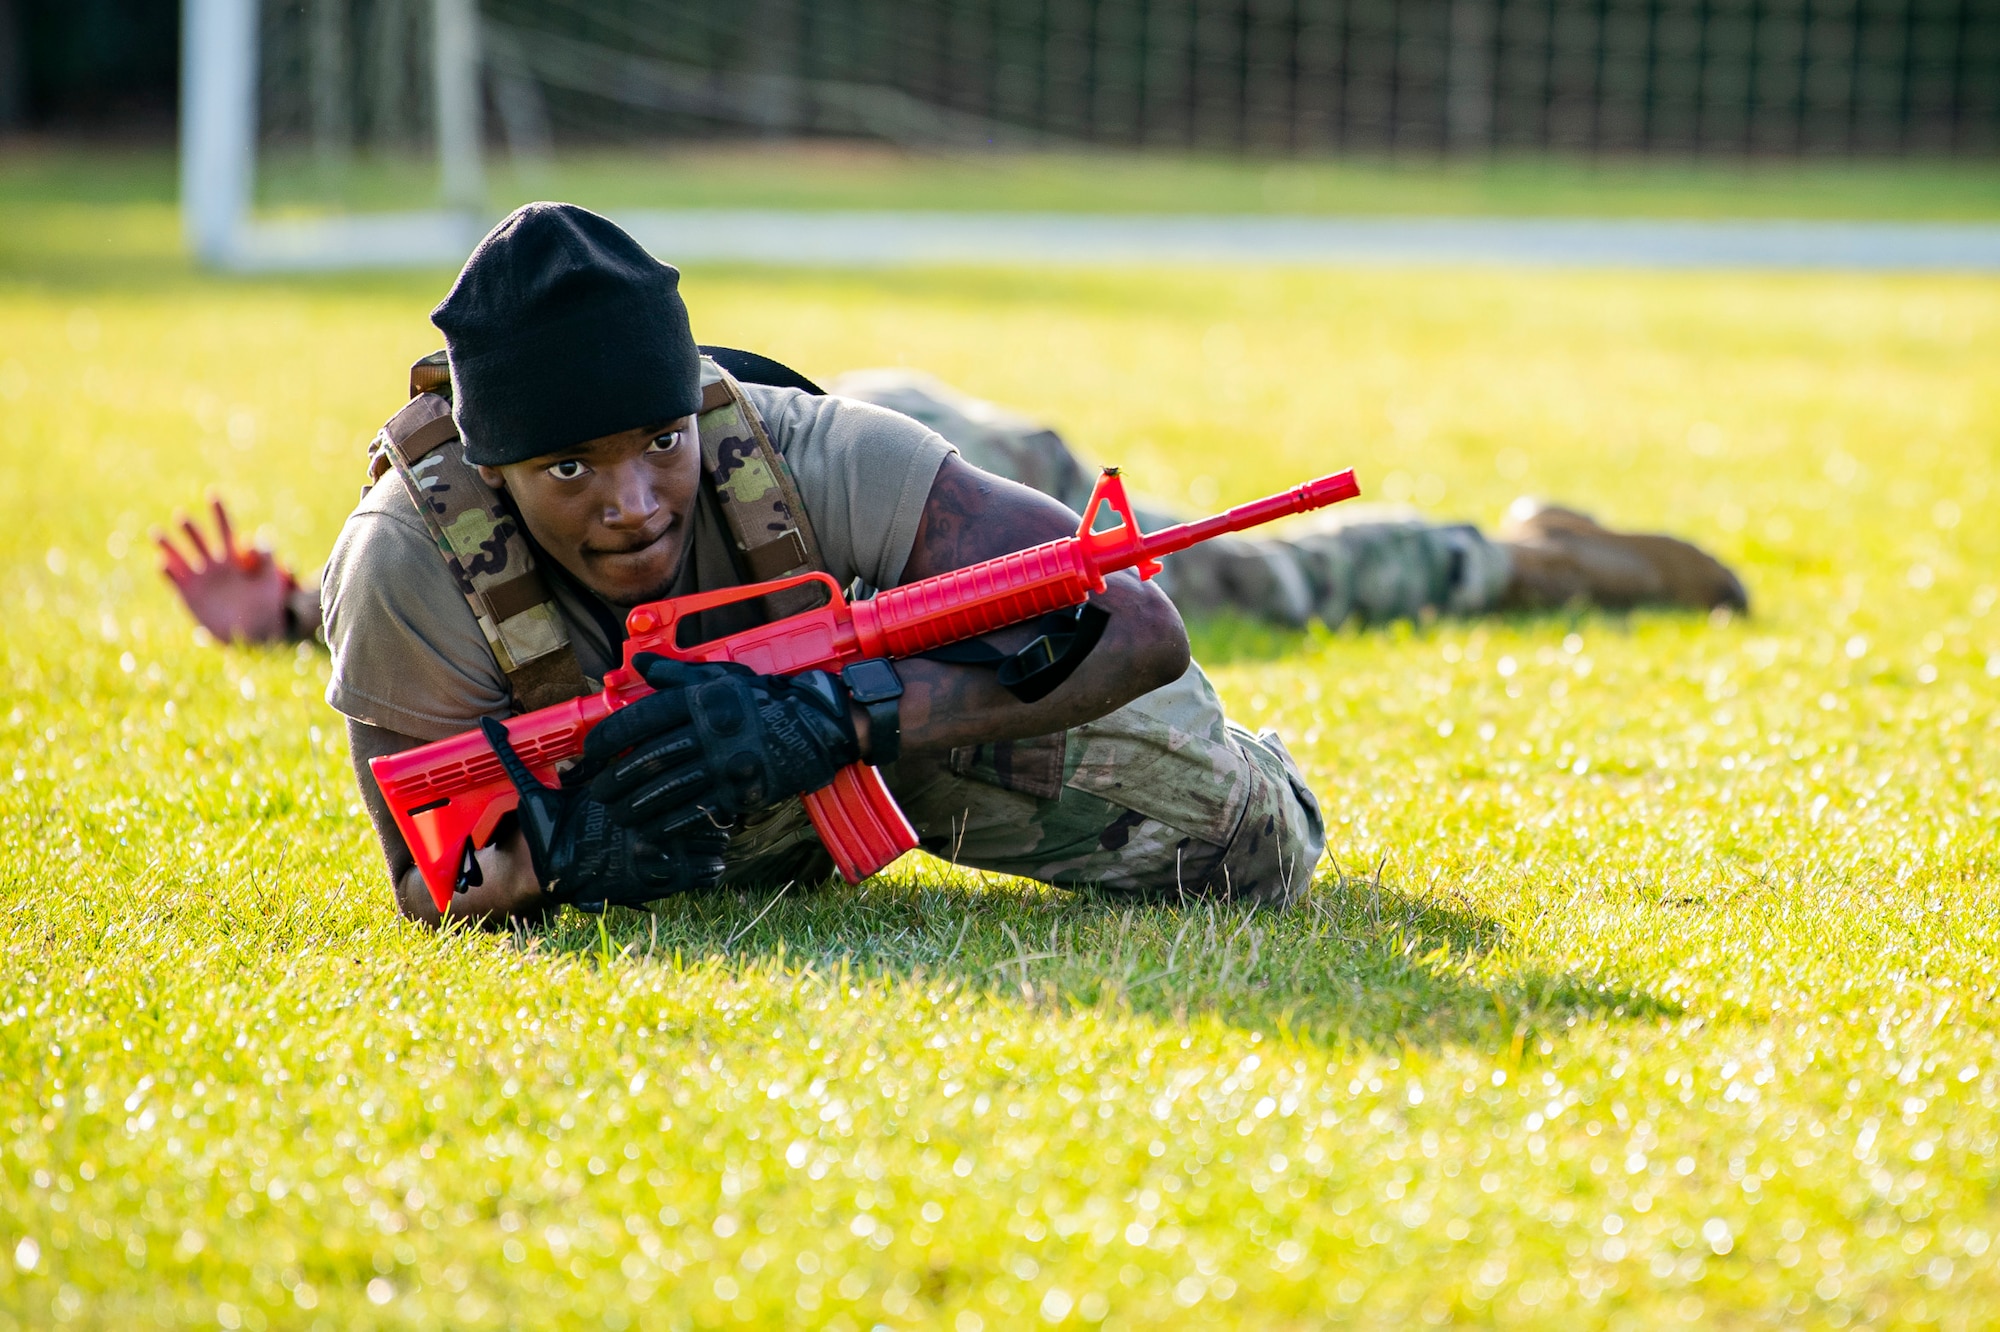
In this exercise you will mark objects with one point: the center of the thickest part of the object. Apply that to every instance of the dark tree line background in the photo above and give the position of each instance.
(1768, 77)
(100, 65)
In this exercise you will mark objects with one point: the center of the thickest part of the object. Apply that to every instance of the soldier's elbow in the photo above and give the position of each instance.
(1166, 654)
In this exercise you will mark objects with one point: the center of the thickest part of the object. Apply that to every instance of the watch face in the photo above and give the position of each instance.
(872, 680)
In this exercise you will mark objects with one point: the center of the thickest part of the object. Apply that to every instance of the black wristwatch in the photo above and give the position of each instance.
(875, 685)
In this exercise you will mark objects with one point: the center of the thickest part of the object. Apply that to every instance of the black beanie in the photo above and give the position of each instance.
(561, 329)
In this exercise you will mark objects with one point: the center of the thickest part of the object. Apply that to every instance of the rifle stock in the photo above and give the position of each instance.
(448, 797)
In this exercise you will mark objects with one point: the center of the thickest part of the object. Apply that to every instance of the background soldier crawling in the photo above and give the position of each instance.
(1373, 563)
(580, 403)
(1370, 562)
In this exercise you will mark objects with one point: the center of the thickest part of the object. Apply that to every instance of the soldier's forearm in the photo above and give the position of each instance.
(507, 886)
(971, 516)
(1144, 648)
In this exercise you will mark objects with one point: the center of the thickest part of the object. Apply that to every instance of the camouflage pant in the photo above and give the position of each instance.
(1371, 563)
(1164, 797)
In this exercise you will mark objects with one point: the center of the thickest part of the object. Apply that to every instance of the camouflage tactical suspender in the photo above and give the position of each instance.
(491, 558)
(760, 502)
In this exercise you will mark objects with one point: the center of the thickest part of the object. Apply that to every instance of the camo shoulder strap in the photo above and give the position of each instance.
(490, 556)
(756, 491)
(483, 545)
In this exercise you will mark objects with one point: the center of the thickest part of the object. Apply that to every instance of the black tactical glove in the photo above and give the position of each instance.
(585, 858)
(718, 742)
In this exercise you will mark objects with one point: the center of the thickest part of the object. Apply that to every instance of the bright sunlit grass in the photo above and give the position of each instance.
(1652, 979)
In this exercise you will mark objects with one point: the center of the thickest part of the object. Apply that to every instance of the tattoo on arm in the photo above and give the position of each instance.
(971, 516)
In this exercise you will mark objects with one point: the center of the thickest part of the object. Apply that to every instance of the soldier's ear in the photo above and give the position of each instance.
(491, 476)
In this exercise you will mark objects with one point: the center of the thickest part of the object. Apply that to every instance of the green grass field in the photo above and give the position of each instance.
(839, 175)
(1651, 981)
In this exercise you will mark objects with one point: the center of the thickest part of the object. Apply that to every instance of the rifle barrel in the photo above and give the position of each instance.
(1299, 499)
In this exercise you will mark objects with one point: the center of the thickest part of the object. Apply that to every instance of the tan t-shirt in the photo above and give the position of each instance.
(408, 655)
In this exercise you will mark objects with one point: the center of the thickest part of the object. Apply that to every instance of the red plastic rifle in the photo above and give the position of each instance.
(448, 797)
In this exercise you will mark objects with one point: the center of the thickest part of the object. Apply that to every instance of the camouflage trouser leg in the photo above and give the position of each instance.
(1370, 563)
(1162, 798)
(1373, 564)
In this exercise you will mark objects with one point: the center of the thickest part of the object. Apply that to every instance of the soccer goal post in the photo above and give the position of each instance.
(316, 135)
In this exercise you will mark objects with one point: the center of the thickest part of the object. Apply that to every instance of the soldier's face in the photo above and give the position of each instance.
(614, 511)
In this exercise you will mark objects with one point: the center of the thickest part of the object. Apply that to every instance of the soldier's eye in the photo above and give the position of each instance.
(666, 443)
(569, 469)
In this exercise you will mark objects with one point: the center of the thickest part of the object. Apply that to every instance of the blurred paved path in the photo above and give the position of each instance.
(882, 239)
(905, 238)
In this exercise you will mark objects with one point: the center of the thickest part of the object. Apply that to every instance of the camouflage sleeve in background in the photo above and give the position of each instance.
(1370, 562)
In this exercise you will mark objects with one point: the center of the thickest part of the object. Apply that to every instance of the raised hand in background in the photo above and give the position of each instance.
(237, 593)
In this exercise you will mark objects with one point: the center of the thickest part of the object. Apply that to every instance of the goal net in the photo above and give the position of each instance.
(350, 132)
